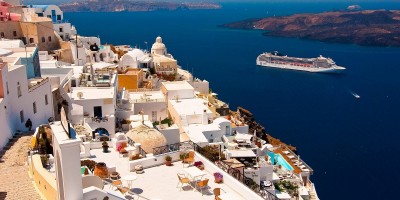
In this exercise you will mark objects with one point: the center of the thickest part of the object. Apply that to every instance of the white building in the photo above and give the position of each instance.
(94, 106)
(151, 103)
(177, 90)
(63, 28)
(24, 94)
(135, 58)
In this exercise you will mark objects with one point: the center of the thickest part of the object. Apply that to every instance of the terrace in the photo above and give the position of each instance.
(158, 182)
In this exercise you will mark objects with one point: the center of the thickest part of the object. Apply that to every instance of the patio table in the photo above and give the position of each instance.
(129, 179)
(194, 172)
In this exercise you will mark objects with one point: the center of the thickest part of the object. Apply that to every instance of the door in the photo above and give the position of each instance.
(154, 116)
(53, 16)
(97, 111)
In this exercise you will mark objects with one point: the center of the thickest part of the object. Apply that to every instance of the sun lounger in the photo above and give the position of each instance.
(291, 156)
(286, 152)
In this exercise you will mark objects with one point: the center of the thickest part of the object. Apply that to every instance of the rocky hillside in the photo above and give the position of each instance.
(369, 27)
(132, 6)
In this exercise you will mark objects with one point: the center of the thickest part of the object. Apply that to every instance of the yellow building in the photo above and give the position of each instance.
(164, 64)
(130, 79)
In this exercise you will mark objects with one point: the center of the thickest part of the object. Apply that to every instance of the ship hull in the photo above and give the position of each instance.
(336, 69)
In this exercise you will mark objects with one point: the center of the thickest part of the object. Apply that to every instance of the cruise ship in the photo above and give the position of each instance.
(319, 64)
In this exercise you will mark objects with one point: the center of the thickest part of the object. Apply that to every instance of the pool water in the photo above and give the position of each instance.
(281, 161)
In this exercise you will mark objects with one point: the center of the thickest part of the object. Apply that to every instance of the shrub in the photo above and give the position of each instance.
(183, 156)
(89, 164)
(166, 121)
(198, 163)
(168, 158)
(218, 175)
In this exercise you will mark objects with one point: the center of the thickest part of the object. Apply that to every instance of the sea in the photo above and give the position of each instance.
(351, 143)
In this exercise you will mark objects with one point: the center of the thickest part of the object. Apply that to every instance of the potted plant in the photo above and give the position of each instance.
(45, 160)
(182, 156)
(168, 160)
(105, 147)
(218, 177)
(199, 165)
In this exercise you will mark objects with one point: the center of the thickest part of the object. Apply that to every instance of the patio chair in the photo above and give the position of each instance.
(200, 185)
(123, 190)
(190, 159)
(117, 184)
(217, 192)
(183, 180)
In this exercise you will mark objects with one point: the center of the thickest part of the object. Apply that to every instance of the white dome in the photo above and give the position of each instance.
(135, 53)
(130, 58)
(158, 45)
(148, 137)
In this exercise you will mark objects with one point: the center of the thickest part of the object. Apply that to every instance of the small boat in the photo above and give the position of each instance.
(356, 96)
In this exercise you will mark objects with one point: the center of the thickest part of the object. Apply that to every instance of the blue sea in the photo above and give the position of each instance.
(350, 143)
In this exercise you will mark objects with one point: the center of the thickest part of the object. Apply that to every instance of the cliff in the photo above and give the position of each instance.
(132, 6)
(368, 28)
(254, 126)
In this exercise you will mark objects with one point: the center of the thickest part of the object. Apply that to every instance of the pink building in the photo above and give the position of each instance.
(5, 15)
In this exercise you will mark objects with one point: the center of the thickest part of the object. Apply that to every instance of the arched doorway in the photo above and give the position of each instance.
(102, 132)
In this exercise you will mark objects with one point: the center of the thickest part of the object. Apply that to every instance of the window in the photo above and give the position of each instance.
(49, 38)
(49, 16)
(19, 90)
(15, 33)
(21, 116)
(43, 39)
(61, 29)
(1, 13)
(59, 17)
(31, 40)
(34, 108)
(2, 34)
(46, 101)
(40, 14)
(8, 91)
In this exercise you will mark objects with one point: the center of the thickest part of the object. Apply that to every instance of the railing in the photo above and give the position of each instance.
(171, 148)
(146, 100)
(141, 151)
(297, 157)
(236, 173)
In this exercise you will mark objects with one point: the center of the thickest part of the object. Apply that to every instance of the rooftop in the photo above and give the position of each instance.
(160, 181)
(177, 85)
(190, 106)
(150, 96)
(92, 93)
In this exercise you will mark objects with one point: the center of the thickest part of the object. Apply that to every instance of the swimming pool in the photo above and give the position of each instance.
(281, 161)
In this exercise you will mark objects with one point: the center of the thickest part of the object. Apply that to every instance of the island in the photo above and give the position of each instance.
(132, 6)
(366, 28)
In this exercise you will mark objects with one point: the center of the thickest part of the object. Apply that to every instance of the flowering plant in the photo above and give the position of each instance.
(218, 175)
(198, 163)
(119, 148)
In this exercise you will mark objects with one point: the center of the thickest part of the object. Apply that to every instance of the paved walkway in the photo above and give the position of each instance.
(15, 182)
